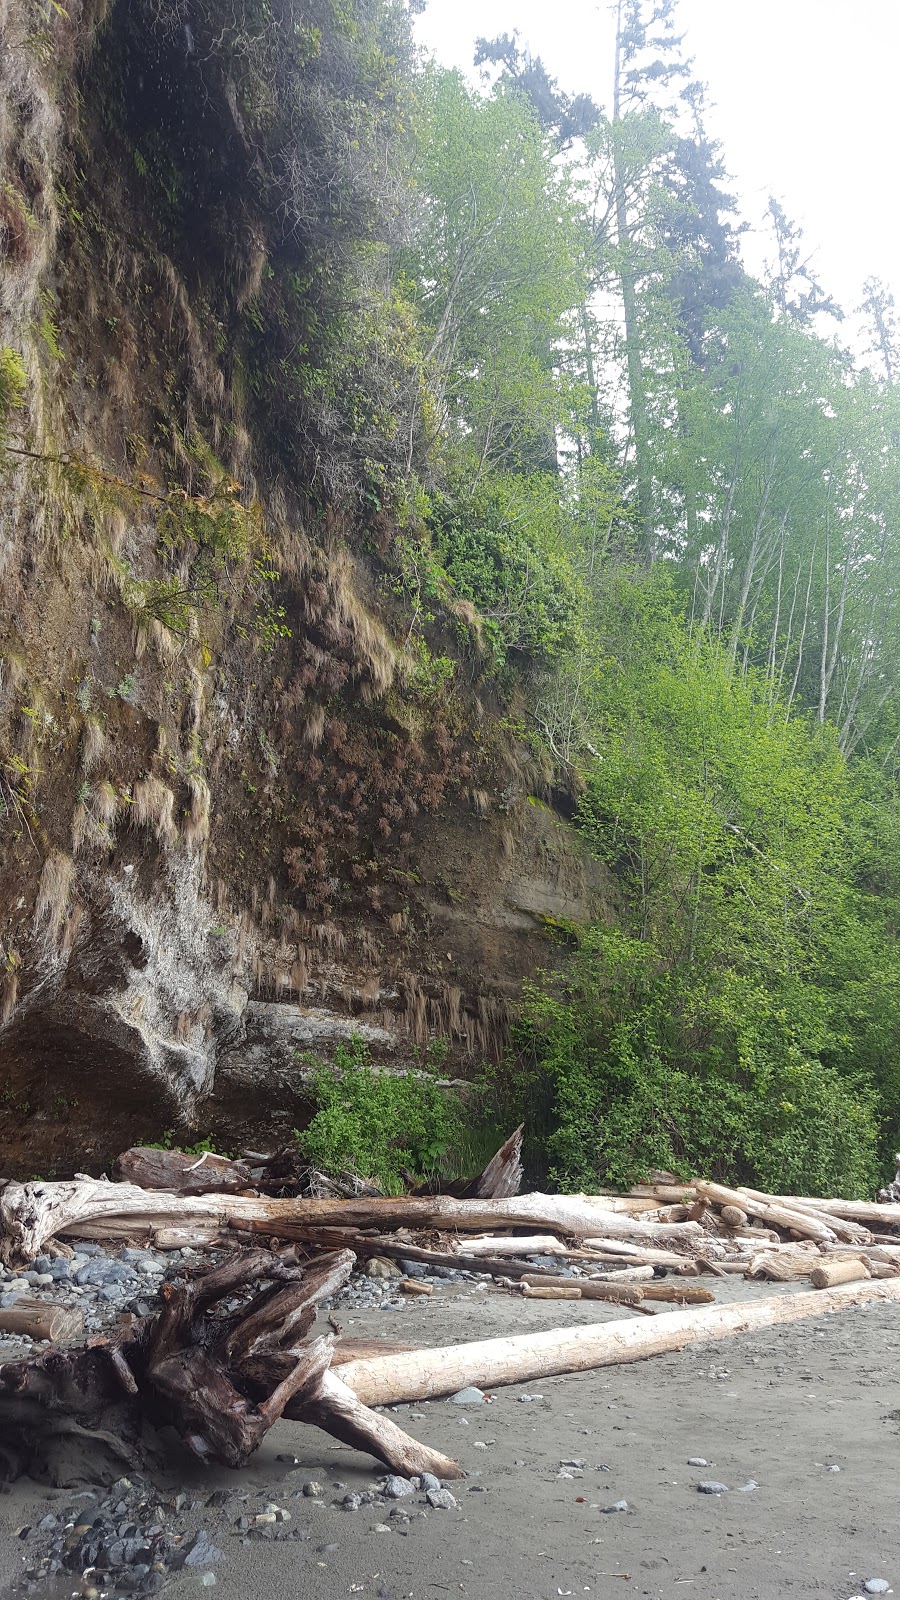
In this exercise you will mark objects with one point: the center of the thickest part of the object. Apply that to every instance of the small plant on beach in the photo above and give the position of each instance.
(381, 1125)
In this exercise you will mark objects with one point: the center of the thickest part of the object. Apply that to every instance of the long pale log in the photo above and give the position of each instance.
(490, 1363)
(623, 1274)
(621, 1293)
(779, 1215)
(568, 1291)
(844, 1231)
(869, 1212)
(628, 1294)
(539, 1244)
(32, 1213)
(640, 1255)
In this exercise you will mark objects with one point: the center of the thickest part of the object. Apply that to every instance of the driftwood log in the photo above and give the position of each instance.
(220, 1378)
(428, 1374)
(803, 1223)
(32, 1213)
(42, 1320)
(177, 1173)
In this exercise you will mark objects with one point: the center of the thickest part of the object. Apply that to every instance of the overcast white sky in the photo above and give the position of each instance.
(804, 97)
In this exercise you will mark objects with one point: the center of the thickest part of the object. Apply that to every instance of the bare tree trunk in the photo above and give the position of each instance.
(750, 563)
(630, 313)
(799, 665)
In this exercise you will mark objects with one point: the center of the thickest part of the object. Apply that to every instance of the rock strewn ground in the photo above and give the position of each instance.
(583, 1485)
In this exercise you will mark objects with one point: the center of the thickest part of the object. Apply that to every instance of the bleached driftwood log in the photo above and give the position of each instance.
(32, 1213)
(643, 1255)
(779, 1215)
(829, 1273)
(847, 1232)
(40, 1319)
(783, 1266)
(616, 1290)
(428, 1374)
(537, 1244)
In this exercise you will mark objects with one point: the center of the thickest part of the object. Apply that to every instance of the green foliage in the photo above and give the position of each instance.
(47, 327)
(497, 269)
(742, 1019)
(13, 385)
(505, 549)
(720, 1076)
(379, 1124)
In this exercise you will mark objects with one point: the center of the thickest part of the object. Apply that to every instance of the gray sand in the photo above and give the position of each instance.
(781, 1407)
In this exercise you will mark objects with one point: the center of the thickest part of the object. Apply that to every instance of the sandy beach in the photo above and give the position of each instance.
(801, 1424)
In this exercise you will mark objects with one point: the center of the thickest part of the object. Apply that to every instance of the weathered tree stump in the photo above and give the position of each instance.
(220, 1378)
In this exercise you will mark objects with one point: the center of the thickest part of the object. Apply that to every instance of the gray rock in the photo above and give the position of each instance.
(42, 1264)
(697, 1461)
(201, 1551)
(351, 1502)
(876, 1586)
(441, 1499)
(60, 1270)
(617, 1505)
(39, 1280)
(395, 1488)
(710, 1486)
(429, 1481)
(312, 1490)
(468, 1397)
(102, 1271)
(413, 1269)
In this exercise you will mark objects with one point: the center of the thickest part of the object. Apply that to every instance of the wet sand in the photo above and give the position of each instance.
(781, 1408)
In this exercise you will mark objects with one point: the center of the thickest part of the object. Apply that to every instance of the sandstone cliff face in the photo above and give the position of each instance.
(240, 817)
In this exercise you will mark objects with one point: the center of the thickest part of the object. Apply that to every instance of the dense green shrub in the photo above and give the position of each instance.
(645, 1068)
(379, 1124)
(504, 549)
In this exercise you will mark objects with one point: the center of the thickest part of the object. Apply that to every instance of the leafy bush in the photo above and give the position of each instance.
(504, 549)
(379, 1124)
(643, 1068)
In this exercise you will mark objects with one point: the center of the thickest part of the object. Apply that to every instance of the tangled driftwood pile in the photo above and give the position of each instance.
(234, 1348)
